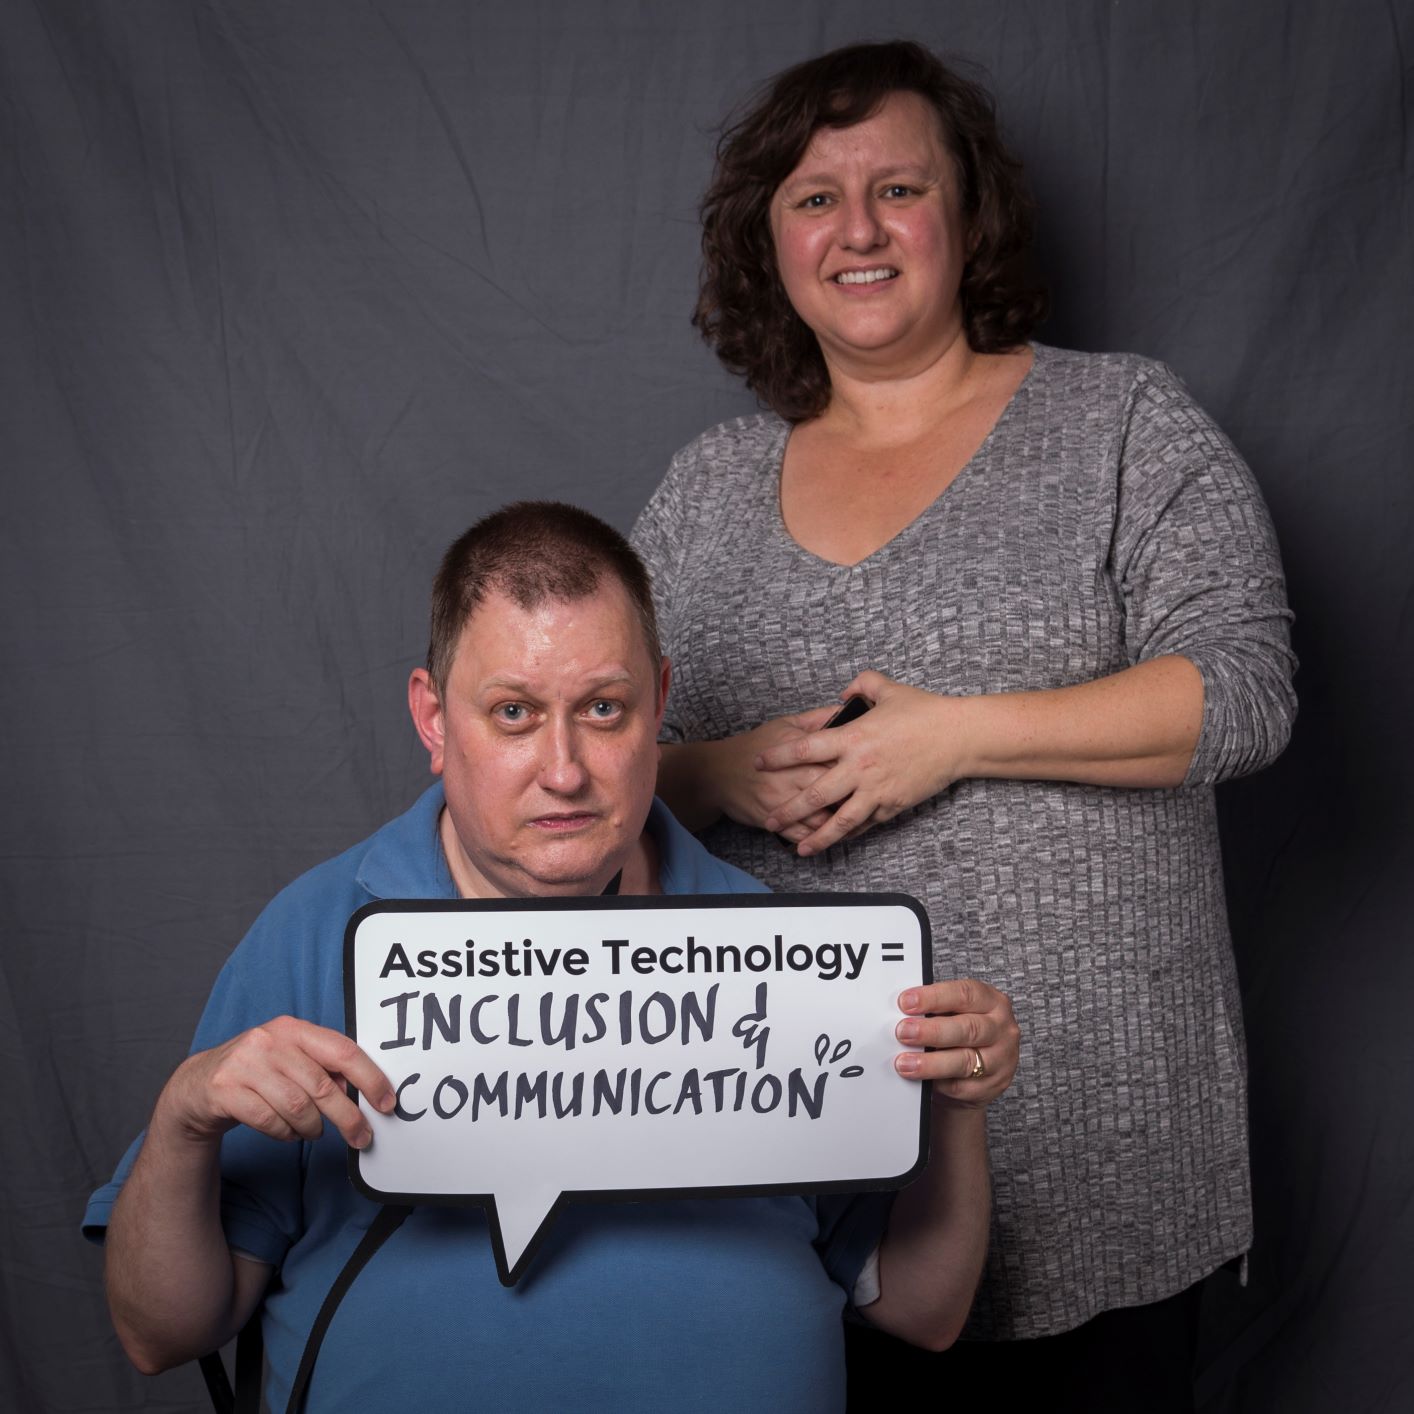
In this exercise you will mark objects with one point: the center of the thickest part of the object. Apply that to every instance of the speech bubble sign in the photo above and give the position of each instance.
(549, 1051)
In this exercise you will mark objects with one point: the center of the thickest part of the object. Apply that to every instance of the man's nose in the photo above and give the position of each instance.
(561, 767)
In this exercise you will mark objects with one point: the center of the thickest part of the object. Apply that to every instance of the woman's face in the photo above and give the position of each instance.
(871, 242)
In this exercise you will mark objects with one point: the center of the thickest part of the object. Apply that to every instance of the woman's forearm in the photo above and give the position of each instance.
(1136, 728)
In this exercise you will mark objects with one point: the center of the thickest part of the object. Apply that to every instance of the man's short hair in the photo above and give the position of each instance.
(531, 551)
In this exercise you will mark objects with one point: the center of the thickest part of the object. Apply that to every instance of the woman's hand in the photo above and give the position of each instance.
(1135, 729)
(900, 753)
(707, 779)
(972, 1038)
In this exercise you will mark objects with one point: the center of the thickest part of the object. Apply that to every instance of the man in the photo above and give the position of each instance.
(539, 707)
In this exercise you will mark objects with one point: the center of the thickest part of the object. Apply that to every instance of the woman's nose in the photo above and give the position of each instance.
(860, 227)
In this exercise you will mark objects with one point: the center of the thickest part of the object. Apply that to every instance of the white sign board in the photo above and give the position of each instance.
(599, 1049)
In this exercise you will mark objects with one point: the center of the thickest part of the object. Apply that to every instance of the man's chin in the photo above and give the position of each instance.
(562, 870)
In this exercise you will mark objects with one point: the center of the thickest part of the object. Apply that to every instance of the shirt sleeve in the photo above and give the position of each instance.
(1195, 558)
(851, 1229)
(261, 1202)
(866, 1285)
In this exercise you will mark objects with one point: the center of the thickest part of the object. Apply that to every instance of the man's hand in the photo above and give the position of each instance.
(284, 1078)
(963, 1024)
(932, 1254)
(174, 1287)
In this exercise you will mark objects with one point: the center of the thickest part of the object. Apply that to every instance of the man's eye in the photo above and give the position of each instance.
(604, 710)
(513, 712)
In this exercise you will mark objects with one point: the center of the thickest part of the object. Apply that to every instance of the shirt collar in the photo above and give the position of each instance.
(686, 866)
(405, 858)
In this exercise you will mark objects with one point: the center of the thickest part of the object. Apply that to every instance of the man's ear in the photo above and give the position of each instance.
(665, 679)
(426, 708)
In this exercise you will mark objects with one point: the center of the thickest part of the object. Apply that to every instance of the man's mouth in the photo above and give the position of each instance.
(865, 277)
(565, 822)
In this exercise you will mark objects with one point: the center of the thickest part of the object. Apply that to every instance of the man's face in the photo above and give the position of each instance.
(546, 742)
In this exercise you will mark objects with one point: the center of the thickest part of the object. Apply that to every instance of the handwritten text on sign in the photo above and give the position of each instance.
(545, 1051)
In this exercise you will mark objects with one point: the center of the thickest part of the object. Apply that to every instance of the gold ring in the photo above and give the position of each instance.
(979, 1066)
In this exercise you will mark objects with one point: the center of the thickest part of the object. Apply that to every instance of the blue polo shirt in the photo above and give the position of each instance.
(694, 1304)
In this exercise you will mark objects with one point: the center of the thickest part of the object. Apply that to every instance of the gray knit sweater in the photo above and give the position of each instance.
(1104, 521)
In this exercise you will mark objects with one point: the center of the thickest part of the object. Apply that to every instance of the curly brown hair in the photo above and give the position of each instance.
(742, 309)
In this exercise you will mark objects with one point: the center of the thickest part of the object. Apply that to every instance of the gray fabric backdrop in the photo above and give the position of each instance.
(291, 293)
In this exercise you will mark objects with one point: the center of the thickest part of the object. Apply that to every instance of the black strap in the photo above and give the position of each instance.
(218, 1384)
(250, 1366)
(390, 1218)
(250, 1349)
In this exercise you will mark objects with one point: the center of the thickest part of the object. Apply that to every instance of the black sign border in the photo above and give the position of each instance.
(661, 903)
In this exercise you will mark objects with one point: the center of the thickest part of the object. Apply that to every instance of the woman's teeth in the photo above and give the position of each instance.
(863, 277)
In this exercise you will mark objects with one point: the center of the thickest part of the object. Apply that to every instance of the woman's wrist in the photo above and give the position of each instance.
(982, 724)
(962, 732)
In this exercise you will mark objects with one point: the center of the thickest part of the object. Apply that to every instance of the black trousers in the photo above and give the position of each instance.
(1135, 1360)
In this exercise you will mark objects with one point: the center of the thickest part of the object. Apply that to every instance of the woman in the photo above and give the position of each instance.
(1057, 584)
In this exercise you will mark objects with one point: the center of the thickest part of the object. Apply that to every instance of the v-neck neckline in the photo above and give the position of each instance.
(967, 469)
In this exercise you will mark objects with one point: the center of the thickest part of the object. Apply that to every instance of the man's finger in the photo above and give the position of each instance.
(341, 1056)
(964, 994)
(251, 1108)
(956, 1065)
(328, 1100)
(965, 1031)
(291, 1102)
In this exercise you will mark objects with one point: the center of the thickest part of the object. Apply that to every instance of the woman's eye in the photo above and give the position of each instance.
(898, 189)
(815, 201)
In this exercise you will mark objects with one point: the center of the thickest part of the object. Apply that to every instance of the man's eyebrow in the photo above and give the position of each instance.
(609, 678)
